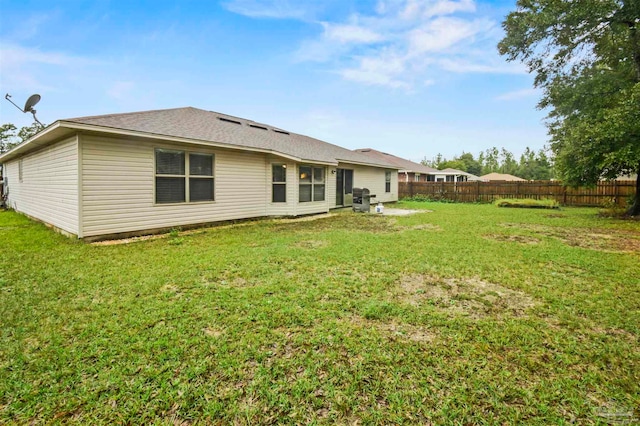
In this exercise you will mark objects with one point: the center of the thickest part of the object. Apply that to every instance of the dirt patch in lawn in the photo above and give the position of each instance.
(522, 239)
(311, 244)
(470, 297)
(424, 227)
(348, 221)
(606, 240)
(393, 330)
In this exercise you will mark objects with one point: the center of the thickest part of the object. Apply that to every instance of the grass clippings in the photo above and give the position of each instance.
(527, 203)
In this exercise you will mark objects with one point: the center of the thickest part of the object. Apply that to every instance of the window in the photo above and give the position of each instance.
(387, 181)
(451, 178)
(417, 177)
(183, 177)
(348, 181)
(431, 178)
(279, 183)
(311, 184)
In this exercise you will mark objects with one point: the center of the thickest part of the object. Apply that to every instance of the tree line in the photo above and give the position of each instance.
(10, 136)
(532, 165)
(585, 56)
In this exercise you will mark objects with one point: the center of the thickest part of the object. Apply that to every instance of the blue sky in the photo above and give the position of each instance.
(410, 77)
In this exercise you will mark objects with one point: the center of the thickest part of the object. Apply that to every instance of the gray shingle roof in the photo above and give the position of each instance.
(217, 128)
(401, 163)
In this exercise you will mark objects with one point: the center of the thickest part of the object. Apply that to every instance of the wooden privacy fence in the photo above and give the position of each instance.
(618, 192)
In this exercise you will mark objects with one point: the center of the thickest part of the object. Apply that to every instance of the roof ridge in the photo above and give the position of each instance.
(202, 124)
(120, 114)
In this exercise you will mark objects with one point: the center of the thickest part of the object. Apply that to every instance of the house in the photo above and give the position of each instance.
(416, 172)
(500, 176)
(454, 175)
(124, 174)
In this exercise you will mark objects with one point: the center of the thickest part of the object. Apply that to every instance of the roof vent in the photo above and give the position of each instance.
(229, 120)
(258, 127)
(281, 131)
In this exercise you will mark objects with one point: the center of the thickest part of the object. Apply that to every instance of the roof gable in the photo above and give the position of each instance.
(403, 164)
(501, 176)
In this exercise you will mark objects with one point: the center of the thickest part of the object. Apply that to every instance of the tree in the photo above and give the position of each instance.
(508, 164)
(29, 131)
(586, 58)
(7, 137)
(453, 164)
(471, 165)
(534, 166)
(491, 161)
(435, 162)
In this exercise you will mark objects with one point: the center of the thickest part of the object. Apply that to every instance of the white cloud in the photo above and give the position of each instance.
(351, 34)
(377, 71)
(25, 68)
(518, 94)
(275, 9)
(466, 66)
(400, 44)
(446, 7)
(443, 33)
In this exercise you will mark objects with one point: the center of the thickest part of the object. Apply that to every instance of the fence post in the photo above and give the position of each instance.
(410, 189)
(615, 192)
(564, 195)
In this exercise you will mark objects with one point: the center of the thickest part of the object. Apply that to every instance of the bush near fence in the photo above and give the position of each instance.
(616, 192)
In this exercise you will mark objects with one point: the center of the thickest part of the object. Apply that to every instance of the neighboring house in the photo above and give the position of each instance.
(500, 176)
(416, 172)
(627, 177)
(118, 174)
(454, 175)
(408, 170)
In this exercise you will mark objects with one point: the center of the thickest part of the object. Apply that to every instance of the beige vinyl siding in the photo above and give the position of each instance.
(331, 186)
(373, 178)
(118, 187)
(49, 187)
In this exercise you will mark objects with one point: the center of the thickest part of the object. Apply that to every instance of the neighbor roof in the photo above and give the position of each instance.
(401, 163)
(208, 127)
(500, 176)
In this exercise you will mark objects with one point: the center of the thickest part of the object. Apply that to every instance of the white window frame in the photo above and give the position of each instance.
(274, 183)
(387, 181)
(313, 183)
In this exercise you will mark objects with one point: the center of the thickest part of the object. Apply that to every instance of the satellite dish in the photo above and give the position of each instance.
(28, 106)
(31, 102)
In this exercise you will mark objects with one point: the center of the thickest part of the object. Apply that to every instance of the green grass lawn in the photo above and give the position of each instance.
(467, 314)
